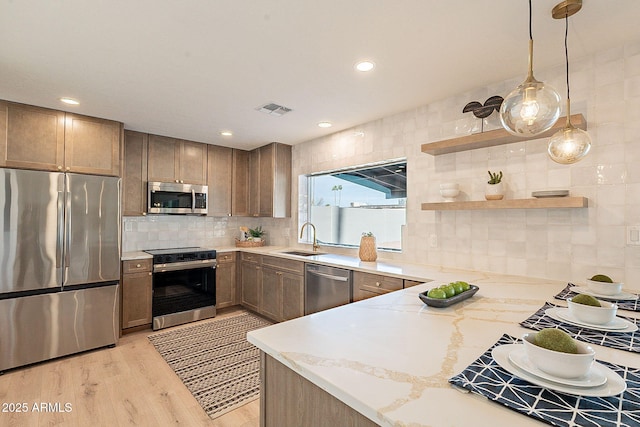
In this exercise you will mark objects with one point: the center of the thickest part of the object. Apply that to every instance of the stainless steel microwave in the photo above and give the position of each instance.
(176, 198)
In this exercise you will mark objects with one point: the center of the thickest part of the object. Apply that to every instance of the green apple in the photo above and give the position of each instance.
(458, 287)
(437, 293)
(465, 286)
(449, 289)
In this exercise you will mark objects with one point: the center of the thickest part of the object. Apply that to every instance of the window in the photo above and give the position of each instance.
(345, 203)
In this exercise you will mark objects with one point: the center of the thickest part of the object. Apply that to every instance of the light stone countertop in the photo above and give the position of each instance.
(390, 357)
(134, 255)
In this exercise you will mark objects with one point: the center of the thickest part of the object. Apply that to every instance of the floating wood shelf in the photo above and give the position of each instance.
(546, 202)
(493, 138)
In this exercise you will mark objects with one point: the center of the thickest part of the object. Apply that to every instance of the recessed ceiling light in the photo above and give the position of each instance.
(324, 125)
(365, 66)
(70, 101)
(226, 133)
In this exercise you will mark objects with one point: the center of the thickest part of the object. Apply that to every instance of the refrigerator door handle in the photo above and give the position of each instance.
(60, 229)
(67, 225)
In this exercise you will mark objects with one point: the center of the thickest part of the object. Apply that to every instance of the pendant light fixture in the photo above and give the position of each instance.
(533, 107)
(569, 144)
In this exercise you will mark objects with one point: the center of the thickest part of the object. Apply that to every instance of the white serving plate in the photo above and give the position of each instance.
(594, 378)
(623, 296)
(618, 325)
(614, 385)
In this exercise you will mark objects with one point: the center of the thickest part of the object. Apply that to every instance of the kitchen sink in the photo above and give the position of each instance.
(301, 253)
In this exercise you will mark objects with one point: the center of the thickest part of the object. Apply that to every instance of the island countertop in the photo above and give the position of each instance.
(390, 357)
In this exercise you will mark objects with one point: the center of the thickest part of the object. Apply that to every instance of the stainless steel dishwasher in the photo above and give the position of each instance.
(326, 287)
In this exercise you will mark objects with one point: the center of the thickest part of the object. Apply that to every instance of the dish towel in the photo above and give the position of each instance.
(629, 305)
(629, 341)
(486, 378)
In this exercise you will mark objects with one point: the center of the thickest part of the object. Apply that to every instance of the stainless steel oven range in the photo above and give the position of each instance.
(184, 286)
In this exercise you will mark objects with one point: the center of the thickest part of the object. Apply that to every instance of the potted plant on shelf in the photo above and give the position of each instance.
(368, 251)
(494, 189)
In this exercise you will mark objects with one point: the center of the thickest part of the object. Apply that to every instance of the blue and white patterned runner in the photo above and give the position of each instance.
(632, 305)
(629, 341)
(486, 378)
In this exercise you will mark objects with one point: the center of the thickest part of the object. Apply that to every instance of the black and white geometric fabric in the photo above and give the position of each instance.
(629, 305)
(629, 341)
(486, 378)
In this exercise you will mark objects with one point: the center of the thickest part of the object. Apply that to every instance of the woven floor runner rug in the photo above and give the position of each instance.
(215, 361)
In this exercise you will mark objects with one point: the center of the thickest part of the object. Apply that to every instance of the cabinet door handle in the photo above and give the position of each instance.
(59, 168)
(378, 284)
(68, 168)
(138, 266)
(149, 273)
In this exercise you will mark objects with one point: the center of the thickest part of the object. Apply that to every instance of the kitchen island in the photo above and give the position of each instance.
(387, 360)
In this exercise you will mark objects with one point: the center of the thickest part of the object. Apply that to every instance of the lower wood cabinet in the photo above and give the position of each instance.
(273, 286)
(250, 280)
(410, 283)
(366, 285)
(288, 399)
(226, 279)
(137, 292)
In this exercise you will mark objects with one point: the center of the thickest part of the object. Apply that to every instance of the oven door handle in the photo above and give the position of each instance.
(187, 265)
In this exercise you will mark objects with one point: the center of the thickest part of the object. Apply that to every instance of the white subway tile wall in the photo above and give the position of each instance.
(175, 231)
(564, 244)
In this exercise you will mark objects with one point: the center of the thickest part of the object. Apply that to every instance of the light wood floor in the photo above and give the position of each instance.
(127, 385)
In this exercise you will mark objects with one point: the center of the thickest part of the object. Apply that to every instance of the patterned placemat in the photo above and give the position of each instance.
(633, 305)
(629, 341)
(215, 361)
(486, 378)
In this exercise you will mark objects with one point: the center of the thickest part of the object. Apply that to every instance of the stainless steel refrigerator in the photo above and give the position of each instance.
(59, 264)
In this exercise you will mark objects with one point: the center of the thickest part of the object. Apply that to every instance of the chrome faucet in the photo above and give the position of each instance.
(315, 241)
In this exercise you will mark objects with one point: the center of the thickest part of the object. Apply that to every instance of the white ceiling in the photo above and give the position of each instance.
(192, 68)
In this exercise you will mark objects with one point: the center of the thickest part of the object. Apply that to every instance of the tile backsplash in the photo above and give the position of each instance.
(563, 244)
(175, 231)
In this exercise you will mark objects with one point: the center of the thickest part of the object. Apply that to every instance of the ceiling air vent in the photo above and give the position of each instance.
(273, 109)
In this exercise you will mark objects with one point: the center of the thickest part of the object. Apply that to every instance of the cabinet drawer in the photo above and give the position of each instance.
(410, 283)
(225, 257)
(376, 283)
(248, 257)
(136, 265)
(284, 264)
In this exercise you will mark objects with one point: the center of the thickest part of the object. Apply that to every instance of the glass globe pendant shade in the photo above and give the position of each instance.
(569, 145)
(530, 109)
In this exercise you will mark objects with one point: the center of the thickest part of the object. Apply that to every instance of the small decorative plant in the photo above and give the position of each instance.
(494, 190)
(256, 233)
(495, 178)
(367, 234)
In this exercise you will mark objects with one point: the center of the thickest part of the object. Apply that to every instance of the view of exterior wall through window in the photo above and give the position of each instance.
(345, 203)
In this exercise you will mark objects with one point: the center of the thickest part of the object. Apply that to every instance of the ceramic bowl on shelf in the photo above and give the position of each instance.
(449, 186)
(592, 314)
(449, 191)
(557, 363)
(604, 288)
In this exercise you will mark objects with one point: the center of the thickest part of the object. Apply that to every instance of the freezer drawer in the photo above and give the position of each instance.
(42, 327)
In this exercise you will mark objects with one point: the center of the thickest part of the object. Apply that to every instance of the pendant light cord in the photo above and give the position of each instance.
(566, 49)
(530, 31)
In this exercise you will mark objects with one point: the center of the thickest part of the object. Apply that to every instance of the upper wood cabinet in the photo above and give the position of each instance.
(134, 180)
(240, 183)
(92, 145)
(219, 180)
(177, 160)
(270, 181)
(44, 139)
